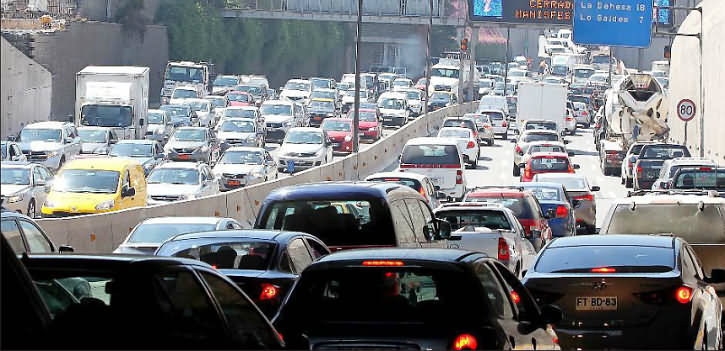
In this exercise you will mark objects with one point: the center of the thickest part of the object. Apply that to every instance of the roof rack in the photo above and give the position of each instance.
(703, 192)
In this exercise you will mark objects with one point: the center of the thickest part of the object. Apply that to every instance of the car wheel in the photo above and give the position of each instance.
(475, 162)
(628, 183)
(516, 171)
(31, 209)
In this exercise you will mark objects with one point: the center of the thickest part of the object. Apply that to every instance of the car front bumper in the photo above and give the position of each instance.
(300, 163)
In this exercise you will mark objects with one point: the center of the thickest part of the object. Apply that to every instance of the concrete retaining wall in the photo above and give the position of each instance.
(25, 91)
(102, 233)
(685, 82)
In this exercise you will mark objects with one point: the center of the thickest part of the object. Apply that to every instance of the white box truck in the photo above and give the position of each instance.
(542, 101)
(114, 97)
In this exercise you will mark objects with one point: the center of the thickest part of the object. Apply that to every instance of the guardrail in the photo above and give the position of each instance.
(102, 233)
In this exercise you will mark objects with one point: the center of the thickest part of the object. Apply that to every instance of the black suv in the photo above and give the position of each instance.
(650, 161)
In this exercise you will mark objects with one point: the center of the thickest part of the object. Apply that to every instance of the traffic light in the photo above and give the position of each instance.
(464, 45)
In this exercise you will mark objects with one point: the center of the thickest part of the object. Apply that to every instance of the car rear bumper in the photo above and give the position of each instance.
(651, 336)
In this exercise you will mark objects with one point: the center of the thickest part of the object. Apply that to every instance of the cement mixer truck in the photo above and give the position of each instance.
(635, 109)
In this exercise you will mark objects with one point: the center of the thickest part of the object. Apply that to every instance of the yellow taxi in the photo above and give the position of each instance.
(85, 186)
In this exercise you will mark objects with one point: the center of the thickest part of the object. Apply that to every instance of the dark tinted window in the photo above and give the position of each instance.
(476, 218)
(520, 206)
(554, 164)
(240, 254)
(460, 123)
(430, 154)
(539, 137)
(11, 232)
(412, 183)
(664, 152)
(545, 193)
(625, 259)
(697, 179)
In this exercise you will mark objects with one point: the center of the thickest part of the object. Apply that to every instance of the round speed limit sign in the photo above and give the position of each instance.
(686, 109)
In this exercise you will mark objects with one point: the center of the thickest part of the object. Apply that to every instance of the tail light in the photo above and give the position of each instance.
(504, 124)
(584, 113)
(269, 292)
(569, 118)
(422, 192)
(683, 294)
(470, 145)
(611, 152)
(603, 270)
(515, 297)
(527, 173)
(459, 177)
(465, 342)
(503, 250)
(639, 169)
(562, 212)
(518, 150)
(588, 197)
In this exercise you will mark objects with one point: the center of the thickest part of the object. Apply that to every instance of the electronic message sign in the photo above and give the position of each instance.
(547, 12)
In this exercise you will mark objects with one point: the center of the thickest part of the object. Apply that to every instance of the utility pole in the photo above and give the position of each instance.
(356, 119)
(461, 35)
(428, 59)
(506, 62)
(471, 86)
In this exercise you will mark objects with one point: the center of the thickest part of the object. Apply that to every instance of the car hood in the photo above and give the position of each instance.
(234, 135)
(89, 148)
(391, 112)
(368, 124)
(337, 135)
(172, 189)
(299, 148)
(235, 168)
(137, 249)
(294, 93)
(185, 144)
(11, 189)
(277, 118)
(154, 127)
(81, 202)
(40, 146)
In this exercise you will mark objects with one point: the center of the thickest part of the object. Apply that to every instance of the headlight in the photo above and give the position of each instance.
(16, 198)
(251, 138)
(348, 138)
(288, 124)
(53, 153)
(105, 205)
(49, 204)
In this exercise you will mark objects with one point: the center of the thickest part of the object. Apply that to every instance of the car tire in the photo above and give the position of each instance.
(32, 211)
(475, 162)
(516, 171)
(628, 183)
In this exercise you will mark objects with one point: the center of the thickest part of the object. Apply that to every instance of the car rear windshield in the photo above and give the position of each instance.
(412, 183)
(684, 220)
(553, 164)
(459, 123)
(243, 254)
(522, 207)
(336, 223)
(495, 116)
(541, 125)
(700, 179)
(539, 137)
(475, 218)
(430, 154)
(413, 295)
(545, 148)
(159, 232)
(545, 194)
(664, 152)
(624, 259)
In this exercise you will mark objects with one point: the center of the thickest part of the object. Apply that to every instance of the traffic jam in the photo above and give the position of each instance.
(530, 223)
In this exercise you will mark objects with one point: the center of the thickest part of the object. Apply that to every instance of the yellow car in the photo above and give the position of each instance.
(86, 186)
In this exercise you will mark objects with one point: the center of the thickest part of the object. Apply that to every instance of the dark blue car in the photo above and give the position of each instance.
(554, 200)
(263, 263)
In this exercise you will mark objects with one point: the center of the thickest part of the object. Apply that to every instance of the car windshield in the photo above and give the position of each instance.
(246, 254)
(320, 83)
(541, 126)
(303, 137)
(598, 78)
(86, 181)
(580, 99)
(35, 134)
(545, 193)
(184, 94)
(545, 148)
(664, 152)
(243, 157)
(336, 223)
(454, 133)
(559, 70)
(297, 86)
(174, 176)
(440, 97)
(445, 72)
(549, 164)
(154, 118)
(367, 116)
(430, 154)
(132, 150)
(184, 74)
(322, 95)
(176, 111)
(475, 218)
(238, 126)
(328, 106)
(401, 83)
(190, 135)
(463, 123)
(685, 220)
(413, 95)
(516, 73)
(351, 92)
(600, 59)
(520, 206)
(337, 126)
(217, 101)
(624, 259)
(238, 97)
(203, 106)
(229, 112)
(539, 137)
(700, 179)
(277, 109)
(15, 176)
(225, 81)
(495, 116)
(160, 232)
(92, 135)
(583, 73)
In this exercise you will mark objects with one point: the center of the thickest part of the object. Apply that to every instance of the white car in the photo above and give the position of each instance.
(203, 110)
(280, 116)
(541, 146)
(304, 148)
(243, 166)
(393, 108)
(160, 127)
(247, 112)
(581, 115)
(440, 160)
(526, 139)
(25, 187)
(570, 122)
(177, 181)
(239, 132)
(499, 121)
(50, 143)
(298, 90)
(467, 143)
(415, 101)
(403, 83)
(96, 140)
(182, 93)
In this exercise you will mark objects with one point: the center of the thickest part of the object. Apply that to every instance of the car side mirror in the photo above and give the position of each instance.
(65, 249)
(576, 166)
(596, 188)
(551, 314)
(576, 203)
(566, 142)
(441, 195)
(571, 153)
(717, 275)
(444, 229)
(667, 185)
(12, 137)
(128, 192)
(550, 213)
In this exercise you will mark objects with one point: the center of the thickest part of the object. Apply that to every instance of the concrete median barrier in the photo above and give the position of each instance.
(102, 233)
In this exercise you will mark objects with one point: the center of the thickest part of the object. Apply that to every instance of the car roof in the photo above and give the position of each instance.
(540, 131)
(47, 124)
(182, 220)
(17, 164)
(101, 163)
(305, 129)
(546, 143)
(669, 199)
(260, 234)
(614, 240)
(499, 192)
(194, 128)
(137, 141)
(691, 161)
(249, 108)
(462, 129)
(173, 164)
(339, 119)
(431, 141)
(108, 262)
(561, 175)
(409, 175)
(528, 185)
(549, 154)
(245, 148)
(277, 102)
(91, 128)
(337, 190)
(431, 255)
(472, 206)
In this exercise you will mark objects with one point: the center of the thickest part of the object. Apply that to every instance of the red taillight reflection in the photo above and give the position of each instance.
(459, 177)
(639, 169)
(269, 292)
(503, 250)
(470, 145)
(589, 197)
(383, 263)
(603, 270)
(683, 294)
(504, 124)
(515, 297)
(465, 342)
(518, 149)
(562, 212)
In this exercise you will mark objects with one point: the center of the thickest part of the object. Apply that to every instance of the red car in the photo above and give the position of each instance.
(370, 126)
(523, 204)
(340, 132)
(420, 84)
(240, 98)
(547, 162)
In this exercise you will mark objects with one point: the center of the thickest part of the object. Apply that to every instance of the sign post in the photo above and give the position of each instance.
(686, 112)
(621, 24)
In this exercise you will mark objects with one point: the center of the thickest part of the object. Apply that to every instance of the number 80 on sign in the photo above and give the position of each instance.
(686, 110)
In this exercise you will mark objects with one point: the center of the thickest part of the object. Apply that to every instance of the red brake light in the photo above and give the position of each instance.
(584, 113)
(639, 169)
(503, 250)
(515, 297)
(706, 168)
(504, 124)
(465, 342)
(269, 292)
(562, 212)
(527, 173)
(392, 179)
(459, 177)
(518, 149)
(383, 263)
(603, 270)
(422, 192)
(683, 294)
(611, 152)
(569, 118)
(589, 197)
(470, 145)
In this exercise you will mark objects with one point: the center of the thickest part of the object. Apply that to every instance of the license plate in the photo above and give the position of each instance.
(233, 182)
(387, 119)
(335, 144)
(184, 157)
(596, 303)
